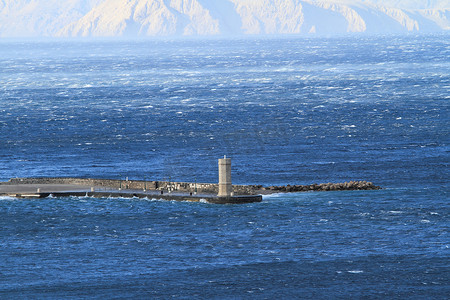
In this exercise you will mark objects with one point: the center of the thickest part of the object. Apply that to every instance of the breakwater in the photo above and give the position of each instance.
(105, 188)
(119, 184)
(346, 186)
(192, 187)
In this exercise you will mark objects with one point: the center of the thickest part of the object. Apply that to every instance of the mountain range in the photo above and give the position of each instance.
(130, 18)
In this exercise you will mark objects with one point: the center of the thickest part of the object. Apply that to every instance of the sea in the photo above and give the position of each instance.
(286, 110)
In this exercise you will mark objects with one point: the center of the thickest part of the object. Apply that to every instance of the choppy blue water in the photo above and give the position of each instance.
(296, 111)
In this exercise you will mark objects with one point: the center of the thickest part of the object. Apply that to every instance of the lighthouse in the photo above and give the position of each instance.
(225, 187)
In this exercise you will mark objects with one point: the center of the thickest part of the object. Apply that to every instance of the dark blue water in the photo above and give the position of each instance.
(288, 111)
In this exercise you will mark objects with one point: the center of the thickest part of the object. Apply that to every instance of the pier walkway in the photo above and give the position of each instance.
(75, 190)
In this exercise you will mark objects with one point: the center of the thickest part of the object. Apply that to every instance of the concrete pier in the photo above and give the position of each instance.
(67, 190)
(79, 187)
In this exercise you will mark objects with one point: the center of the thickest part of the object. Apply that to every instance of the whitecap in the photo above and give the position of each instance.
(156, 200)
(355, 271)
(395, 212)
(274, 195)
(348, 126)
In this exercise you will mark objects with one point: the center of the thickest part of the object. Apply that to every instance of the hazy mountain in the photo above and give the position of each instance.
(70, 18)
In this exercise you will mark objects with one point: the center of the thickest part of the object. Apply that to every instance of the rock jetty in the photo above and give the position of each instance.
(346, 186)
(191, 187)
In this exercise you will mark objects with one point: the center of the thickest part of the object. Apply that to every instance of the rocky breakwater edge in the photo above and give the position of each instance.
(345, 186)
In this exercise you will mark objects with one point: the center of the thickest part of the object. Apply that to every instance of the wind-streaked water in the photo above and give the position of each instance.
(295, 111)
